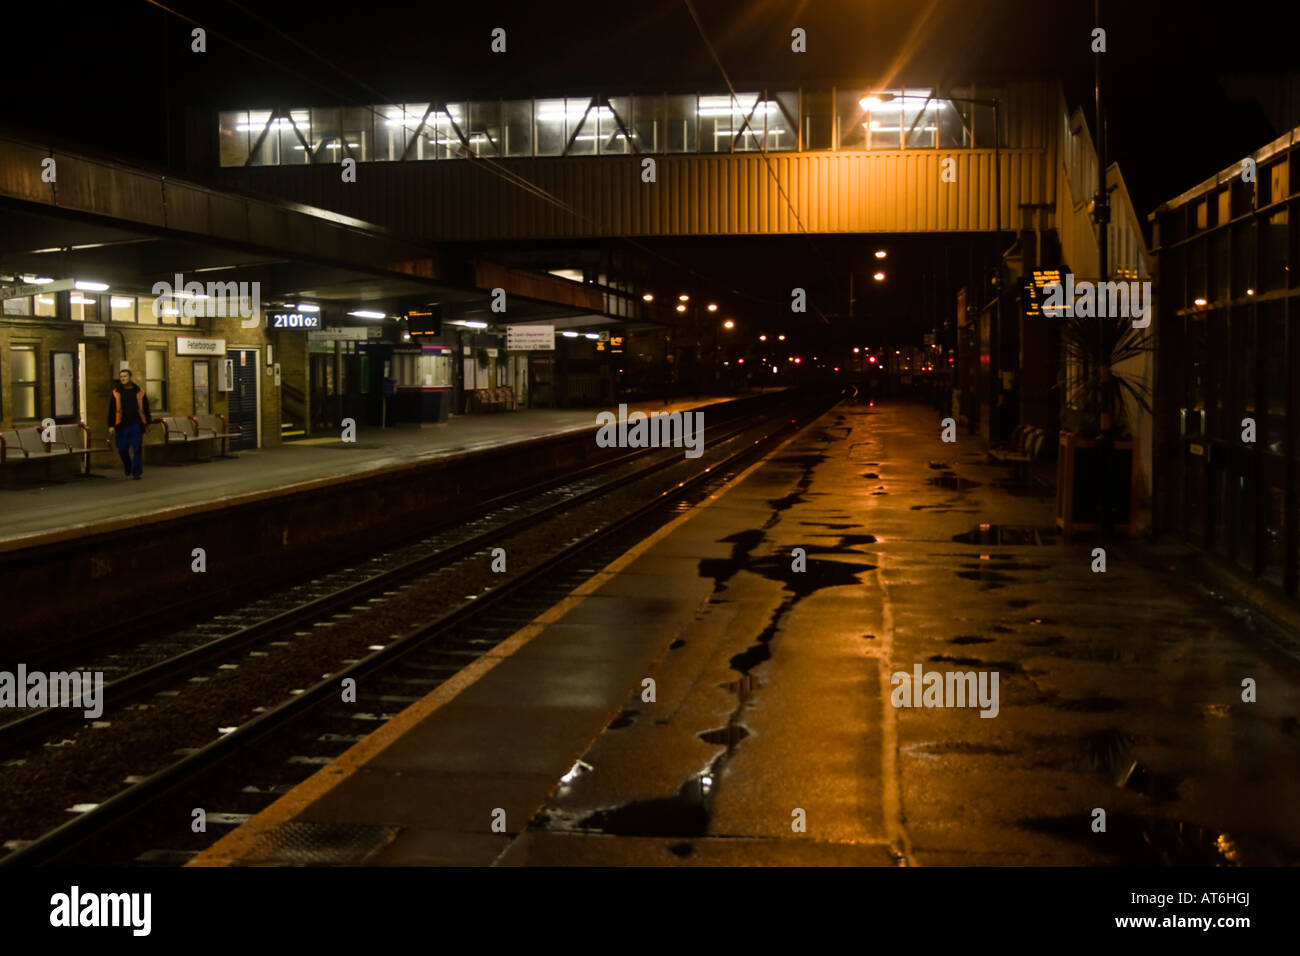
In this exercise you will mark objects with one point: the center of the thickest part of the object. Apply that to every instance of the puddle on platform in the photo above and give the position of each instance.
(728, 736)
(1145, 841)
(988, 577)
(1004, 667)
(1009, 534)
(685, 815)
(952, 482)
(625, 719)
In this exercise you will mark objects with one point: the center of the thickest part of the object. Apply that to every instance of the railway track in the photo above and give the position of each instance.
(403, 667)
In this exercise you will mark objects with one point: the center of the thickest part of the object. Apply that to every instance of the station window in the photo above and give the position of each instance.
(232, 134)
(45, 304)
(22, 374)
(550, 127)
(517, 128)
(145, 311)
(155, 377)
(19, 306)
(83, 307)
(122, 308)
(683, 124)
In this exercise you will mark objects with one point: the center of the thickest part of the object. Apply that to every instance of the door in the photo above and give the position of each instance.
(242, 399)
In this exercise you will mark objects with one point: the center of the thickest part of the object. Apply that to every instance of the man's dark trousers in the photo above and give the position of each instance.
(130, 441)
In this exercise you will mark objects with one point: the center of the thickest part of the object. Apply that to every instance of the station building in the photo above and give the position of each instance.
(1229, 401)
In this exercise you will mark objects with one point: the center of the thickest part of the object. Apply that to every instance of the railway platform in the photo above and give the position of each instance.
(32, 515)
(729, 692)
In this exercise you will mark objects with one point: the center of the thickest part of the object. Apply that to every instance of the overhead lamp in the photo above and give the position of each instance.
(856, 350)
(1199, 302)
(593, 335)
(762, 338)
(367, 314)
(37, 280)
(879, 277)
(474, 324)
(121, 301)
(90, 286)
(304, 307)
(780, 338)
(880, 253)
(648, 297)
(681, 307)
(875, 100)
(712, 307)
(729, 324)
(683, 298)
(568, 334)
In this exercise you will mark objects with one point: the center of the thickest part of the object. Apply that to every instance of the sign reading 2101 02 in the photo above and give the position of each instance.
(295, 320)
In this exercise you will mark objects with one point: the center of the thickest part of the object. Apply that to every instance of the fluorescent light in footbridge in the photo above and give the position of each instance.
(366, 314)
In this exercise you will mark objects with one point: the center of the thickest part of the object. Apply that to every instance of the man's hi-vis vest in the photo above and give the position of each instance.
(117, 405)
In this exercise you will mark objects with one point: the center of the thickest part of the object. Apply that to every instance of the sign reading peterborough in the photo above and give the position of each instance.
(189, 345)
(527, 338)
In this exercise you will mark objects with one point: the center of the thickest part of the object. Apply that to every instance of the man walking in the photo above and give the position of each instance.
(128, 414)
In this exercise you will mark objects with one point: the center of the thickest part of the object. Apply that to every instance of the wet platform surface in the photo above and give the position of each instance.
(78, 505)
(772, 737)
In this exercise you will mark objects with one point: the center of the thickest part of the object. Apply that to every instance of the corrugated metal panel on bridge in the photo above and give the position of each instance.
(878, 191)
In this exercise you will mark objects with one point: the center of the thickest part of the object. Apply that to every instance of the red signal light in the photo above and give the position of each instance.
(871, 359)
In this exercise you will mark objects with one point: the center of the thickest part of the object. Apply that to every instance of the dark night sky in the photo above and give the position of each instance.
(1174, 71)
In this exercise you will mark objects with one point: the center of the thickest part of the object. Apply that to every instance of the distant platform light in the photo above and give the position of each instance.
(712, 307)
(593, 335)
(367, 314)
(681, 308)
(648, 297)
(304, 307)
(881, 253)
(683, 298)
(1200, 302)
(856, 350)
(780, 338)
(729, 324)
(879, 277)
(762, 338)
(475, 325)
(569, 335)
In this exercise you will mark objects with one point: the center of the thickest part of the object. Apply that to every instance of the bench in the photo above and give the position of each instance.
(27, 444)
(498, 398)
(214, 426)
(182, 430)
(1030, 446)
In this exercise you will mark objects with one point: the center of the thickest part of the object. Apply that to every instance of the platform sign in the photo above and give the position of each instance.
(530, 338)
(189, 345)
(94, 330)
(295, 320)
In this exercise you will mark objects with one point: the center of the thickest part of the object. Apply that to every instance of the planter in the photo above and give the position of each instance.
(1077, 462)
